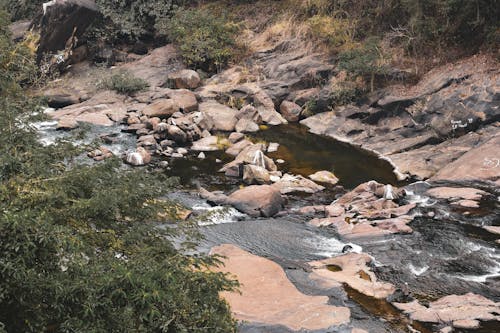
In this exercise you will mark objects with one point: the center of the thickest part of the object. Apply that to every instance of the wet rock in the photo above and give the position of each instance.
(273, 147)
(257, 200)
(185, 79)
(100, 154)
(235, 137)
(253, 174)
(290, 183)
(461, 311)
(324, 177)
(354, 271)
(267, 296)
(96, 111)
(140, 157)
(368, 211)
(290, 111)
(222, 117)
(246, 126)
(492, 229)
(210, 143)
(236, 148)
(62, 19)
(162, 108)
(250, 155)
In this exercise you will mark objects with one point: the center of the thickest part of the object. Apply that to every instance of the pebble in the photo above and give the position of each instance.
(201, 156)
(280, 161)
(273, 147)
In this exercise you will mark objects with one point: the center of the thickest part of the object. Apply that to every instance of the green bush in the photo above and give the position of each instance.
(125, 83)
(205, 41)
(21, 9)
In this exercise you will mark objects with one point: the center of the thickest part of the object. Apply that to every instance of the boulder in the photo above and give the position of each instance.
(249, 112)
(290, 111)
(162, 108)
(290, 183)
(185, 99)
(253, 174)
(177, 134)
(257, 200)
(352, 269)
(236, 148)
(324, 177)
(222, 117)
(185, 79)
(19, 29)
(60, 20)
(140, 157)
(246, 126)
(235, 137)
(210, 143)
(267, 295)
(461, 311)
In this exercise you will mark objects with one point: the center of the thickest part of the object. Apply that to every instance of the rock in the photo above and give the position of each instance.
(354, 271)
(62, 19)
(257, 200)
(267, 296)
(236, 148)
(100, 154)
(273, 147)
(367, 212)
(246, 126)
(201, 156)
(182, 151)
(253, 174)
(19, 29)
(480, 163)
(185, 79)
(492, 229)
(290, 111)
(67, 124)
(250, 155)
(97, 111)
(147, 141)
(156, 66)
(235, 137)
(162, 108)
(324, 177)
(211, 143)
(139, 157)
(60, 98)
(271, 117)
(222, 117)
(185, 99)
(461, 311)
(453, 193)
(177, 134)
(290, 183)
(250, 113)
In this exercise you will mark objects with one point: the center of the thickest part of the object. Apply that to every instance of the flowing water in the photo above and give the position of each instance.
(448, 253)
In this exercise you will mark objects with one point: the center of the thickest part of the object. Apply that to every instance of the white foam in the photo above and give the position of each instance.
(418, 271)
(218, 214)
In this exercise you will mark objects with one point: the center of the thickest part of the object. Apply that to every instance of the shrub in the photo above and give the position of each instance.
(21, 9)
(125, 83)
(205, 41)
(366, 61)
(335, 32)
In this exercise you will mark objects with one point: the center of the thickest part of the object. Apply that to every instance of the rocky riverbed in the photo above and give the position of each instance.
(385, 218)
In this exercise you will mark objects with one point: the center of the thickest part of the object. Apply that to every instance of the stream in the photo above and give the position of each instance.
(448, 253)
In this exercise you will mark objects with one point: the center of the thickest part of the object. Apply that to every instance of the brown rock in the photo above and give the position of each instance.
(223, 117)
(185, 99)
(290, 111)
(257, 200)
(162, 108)
(140, 157)
(354, 272)
(253, 174)
(246, 126)
(185, 79)
(267, 296)
(324, 177)
(290, 183)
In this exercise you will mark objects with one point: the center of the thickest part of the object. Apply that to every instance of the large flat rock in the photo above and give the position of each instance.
(267, 296)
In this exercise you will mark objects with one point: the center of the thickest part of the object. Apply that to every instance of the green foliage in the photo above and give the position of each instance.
(205, 41)
(125, 83)
(135, 19)
(78, 249)
(21, 9)
(364, 61)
